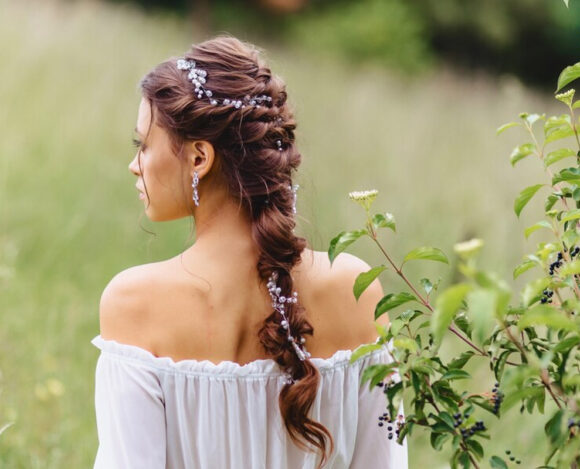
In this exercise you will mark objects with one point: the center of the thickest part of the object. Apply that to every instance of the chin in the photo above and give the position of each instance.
(156, 216)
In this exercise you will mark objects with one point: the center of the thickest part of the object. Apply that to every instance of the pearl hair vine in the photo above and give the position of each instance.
(279, 303)
(198, 77)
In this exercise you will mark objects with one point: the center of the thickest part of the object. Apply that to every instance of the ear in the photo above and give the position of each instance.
(201, 156)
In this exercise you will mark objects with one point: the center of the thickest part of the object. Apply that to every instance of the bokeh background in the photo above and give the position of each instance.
(399, 96)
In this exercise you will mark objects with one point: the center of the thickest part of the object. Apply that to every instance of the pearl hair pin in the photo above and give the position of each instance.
(198, 77)
(278, 303)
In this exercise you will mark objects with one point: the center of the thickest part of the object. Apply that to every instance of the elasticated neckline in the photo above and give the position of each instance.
(206, 367)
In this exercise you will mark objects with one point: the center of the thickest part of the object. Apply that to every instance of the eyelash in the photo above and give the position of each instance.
(138, 144)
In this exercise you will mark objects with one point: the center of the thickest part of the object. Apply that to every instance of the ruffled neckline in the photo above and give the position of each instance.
(259, 367)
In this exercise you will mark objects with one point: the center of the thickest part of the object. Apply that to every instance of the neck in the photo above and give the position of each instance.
(223, 226)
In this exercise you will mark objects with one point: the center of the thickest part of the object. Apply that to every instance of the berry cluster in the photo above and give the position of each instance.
(397, 424)
(512, 457)
(547, 296)
(557, 263)
(468, 431)
(574, 251)
(496, 398)
(388, 383)
(478, 427)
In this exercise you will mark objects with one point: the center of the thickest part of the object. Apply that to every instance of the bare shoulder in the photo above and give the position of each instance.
(331, 293)
(128, 301)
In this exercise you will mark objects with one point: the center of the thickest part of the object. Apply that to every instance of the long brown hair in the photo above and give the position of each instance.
(258, 170)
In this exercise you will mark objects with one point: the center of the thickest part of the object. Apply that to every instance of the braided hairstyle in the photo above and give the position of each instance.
(256, 155)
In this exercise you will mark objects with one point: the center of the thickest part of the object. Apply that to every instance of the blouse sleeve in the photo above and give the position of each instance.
(373, 448)
(130, 414)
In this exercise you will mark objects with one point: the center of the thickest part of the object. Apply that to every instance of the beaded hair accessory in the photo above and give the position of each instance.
(198, 77)
(278, 303)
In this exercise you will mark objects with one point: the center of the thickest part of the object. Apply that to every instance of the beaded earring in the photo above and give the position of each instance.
(194, 185)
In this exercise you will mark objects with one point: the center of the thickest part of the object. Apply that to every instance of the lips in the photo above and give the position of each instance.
(141, 192)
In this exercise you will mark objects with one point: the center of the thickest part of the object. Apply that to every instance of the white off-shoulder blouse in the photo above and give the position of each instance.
(154, 413)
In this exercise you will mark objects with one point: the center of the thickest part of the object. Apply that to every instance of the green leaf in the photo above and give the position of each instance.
(531, 119)
(376, 373)
(524, 266)
(496, 462)
(446, 307)
(554, 428)
(571, 215)
(405, 343)
(571, 175)
(363, 350)
(437, 440)
(524, 197)
(475, 447)
(562, 132)
(391, 301)
(427, 252)
(541, 224)
(566, 344)
(461, 360)
(365, 279)
(568, 75)
(570, 268)
(544, 315)
(550, 201)
(533, 289)
(521, 151)
(340, 242)
(455, 374)
(555, 123)
(384, 221)
(482, 304)
(504, 127)
(566, 2)
(426, 284)
(557, 155)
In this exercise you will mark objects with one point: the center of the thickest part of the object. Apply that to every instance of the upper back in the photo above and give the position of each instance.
(197, 309)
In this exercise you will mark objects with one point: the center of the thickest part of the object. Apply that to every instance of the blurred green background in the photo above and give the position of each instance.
(390, 95)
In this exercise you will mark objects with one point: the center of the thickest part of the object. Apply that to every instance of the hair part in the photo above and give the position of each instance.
(258, 173)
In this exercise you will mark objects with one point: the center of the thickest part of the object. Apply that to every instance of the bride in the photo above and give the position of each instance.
(235, 353)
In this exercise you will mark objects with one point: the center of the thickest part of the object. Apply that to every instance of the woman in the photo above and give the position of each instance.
(233, 354)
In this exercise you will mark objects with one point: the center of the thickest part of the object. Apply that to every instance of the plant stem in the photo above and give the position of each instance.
(425, 302)
(574, 126)
(546, 382)
(472, 459)
(400, 272)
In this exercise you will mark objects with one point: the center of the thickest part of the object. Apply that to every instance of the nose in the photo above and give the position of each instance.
(134, 165)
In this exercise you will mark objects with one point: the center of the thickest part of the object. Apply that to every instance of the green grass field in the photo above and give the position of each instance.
(70, 217)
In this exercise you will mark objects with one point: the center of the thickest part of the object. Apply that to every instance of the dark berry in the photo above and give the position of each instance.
(507, 451)
(390, 436)
(381, 424)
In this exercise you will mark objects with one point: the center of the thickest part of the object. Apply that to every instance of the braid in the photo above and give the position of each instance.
(257, 156)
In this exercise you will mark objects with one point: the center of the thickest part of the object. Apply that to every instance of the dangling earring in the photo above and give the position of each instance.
(194, 186)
